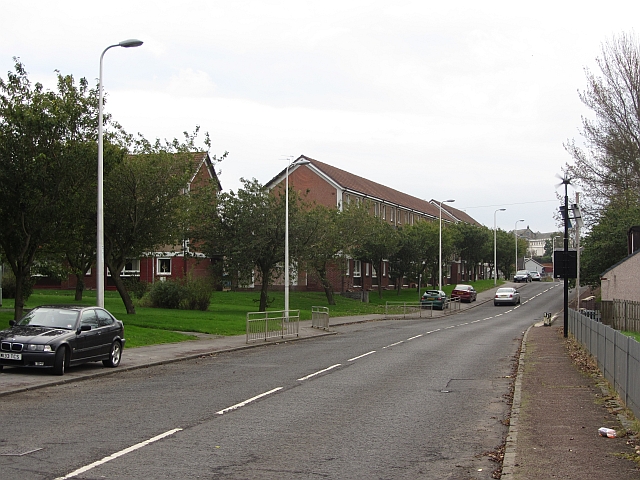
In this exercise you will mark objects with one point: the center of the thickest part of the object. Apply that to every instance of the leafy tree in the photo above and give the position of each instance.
(405, 261)
(609, 165)
(38, 184)
(473, 244)
(248, 230)
(606, 243)
(379, 241)
(145, 204)
(505, 251)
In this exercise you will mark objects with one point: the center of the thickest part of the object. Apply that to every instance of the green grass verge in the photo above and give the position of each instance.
(226, 315)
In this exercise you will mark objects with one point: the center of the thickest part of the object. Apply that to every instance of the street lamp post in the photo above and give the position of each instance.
(100, 217)
(495, 247)
(553, 257)
(286, 236)
(515, 234)
(440, 248)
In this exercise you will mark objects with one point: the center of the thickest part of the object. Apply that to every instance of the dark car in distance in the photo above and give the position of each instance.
(466, 293)
(522, 276)
(434, 299)
(60, 336)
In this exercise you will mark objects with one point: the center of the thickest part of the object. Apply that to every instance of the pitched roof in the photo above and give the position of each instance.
(377, 191)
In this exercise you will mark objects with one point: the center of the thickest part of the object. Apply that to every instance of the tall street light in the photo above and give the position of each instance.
(515, 234)
(495, 247)
(553, 256)
(440, 249)
(286, 237)
(100, 220)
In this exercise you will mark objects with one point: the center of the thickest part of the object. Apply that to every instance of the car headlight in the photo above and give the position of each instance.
(39, 348)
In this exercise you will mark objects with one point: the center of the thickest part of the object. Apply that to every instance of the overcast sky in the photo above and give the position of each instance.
(464, 99)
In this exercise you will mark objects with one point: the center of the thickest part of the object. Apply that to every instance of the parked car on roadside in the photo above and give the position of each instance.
(506, 295)
(522, 276)
(60, 336)
(535, 276)
(434, 299)
(466, 293)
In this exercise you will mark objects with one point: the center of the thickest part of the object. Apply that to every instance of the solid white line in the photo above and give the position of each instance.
(119, 454)
(242, 404)
(394, 344)
(360, 356)
(413, 338)
(318, 373)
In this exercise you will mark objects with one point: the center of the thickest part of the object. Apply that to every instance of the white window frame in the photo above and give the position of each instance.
(158, 262)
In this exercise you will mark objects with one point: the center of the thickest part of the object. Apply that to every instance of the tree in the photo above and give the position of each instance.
(606, 243)
(472, 243)
(144, 204)
(39, 130)
(505, 251)
(609, 165)
(247, 231)
(379, 241)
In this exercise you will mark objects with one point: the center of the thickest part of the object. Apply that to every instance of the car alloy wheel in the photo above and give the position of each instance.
(114, 356)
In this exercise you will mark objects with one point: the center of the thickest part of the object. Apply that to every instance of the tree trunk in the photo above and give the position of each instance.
(264, 292)
(79, 287)
(326, 285)
(124, 294)
(19, 303)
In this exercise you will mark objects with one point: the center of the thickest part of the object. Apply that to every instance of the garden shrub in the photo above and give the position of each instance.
(191, 294)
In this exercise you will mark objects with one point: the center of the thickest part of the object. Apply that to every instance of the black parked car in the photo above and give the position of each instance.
(60, 336)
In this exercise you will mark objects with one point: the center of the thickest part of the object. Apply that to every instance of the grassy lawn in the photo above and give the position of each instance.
(226, 315)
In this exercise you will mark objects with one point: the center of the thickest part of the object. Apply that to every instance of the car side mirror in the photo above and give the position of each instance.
(84, 328)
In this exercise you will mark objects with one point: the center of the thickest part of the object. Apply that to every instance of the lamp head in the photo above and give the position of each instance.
(132, 42)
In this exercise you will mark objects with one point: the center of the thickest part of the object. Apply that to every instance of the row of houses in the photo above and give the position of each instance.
(321, 183)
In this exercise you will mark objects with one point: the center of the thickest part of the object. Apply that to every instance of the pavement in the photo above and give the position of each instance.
(556, 412)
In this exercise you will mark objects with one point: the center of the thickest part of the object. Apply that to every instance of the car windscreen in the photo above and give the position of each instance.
(50, 317)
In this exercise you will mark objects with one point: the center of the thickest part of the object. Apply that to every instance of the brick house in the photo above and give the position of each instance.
(333, 187)
(167, 262)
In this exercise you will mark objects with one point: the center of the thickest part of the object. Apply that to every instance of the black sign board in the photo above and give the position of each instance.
(565, 266)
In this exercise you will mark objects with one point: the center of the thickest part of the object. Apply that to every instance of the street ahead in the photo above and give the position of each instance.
(392, 399)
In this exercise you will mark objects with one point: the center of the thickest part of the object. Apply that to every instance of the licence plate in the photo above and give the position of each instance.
(11, 356)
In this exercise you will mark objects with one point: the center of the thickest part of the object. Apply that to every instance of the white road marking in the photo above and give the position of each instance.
(318, 373)
(119, 454)
(394, 344)
(360, 356)
(252, 399)
(413, 338)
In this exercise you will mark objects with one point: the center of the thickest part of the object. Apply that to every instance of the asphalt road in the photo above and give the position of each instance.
(393, 399)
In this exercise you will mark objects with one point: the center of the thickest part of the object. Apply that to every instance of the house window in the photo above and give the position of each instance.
(164, 266)
(357, 273)
(376, 209)
(384, 212)
(131, 268)
(366, 269)
(374, 276)
(391, 210)
(348, 199)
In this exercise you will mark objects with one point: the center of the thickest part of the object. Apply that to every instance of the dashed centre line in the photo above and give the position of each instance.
(319, 372)
(246, 402)
(360, 356)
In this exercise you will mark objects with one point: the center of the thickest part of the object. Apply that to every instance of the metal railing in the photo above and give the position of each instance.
(320, 317)
(417, 310)
(618, 356)
(276, 324)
